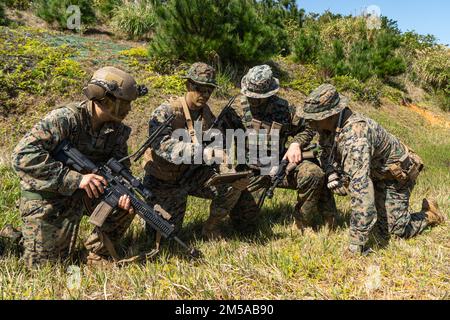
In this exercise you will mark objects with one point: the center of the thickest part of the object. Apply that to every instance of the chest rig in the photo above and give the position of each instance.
(263, 129)
(159, 167)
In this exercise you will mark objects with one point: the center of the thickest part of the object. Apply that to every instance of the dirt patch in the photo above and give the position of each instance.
(429, 116)
(25, 18)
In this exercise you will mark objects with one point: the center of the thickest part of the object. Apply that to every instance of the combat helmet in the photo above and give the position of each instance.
(322, 103)
(114, 81)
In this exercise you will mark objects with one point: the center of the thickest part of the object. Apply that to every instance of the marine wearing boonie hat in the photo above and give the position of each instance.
(202, 73)
(323, 103)
(259, 83)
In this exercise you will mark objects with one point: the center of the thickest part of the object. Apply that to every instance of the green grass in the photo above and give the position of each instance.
(275, 263)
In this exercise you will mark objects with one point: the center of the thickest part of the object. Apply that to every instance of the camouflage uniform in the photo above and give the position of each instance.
(379, 170)
(171, 183)
(307, 178)
(51, 207)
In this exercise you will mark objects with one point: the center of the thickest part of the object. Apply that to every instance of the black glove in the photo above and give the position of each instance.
(335, 184)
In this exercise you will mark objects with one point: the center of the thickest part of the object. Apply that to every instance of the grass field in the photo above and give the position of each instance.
(275, 263)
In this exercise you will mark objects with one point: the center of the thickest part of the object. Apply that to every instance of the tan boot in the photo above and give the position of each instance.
(12, 234)
(433, 215)
(211, 230)
(96, 260)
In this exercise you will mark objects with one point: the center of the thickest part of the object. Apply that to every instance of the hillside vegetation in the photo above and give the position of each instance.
(42, 67)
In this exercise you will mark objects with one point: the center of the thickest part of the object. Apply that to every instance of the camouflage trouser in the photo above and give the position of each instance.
(313, 198)
(50, 228)
(393, 216)
(172, 196)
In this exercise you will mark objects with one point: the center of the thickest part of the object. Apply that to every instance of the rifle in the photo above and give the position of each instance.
(219, 119)
(284, 169)
(140, 152)
(120, 182)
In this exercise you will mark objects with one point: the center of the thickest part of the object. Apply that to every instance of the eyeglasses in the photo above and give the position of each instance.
(202, 89)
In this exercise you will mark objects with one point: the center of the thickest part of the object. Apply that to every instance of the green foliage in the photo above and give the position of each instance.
(332, 62)
(135, 19)
(277, 14)
(29, 65)
(18, 4)
(307, 46)
(3, 20)
(442, 99)
(9, 191)
(385, 61)
(170, 84)
(305, 80)
(344, 46)
(231, 32)
(282, 10)
(106, 8)
(432, 67)
(225, 78)
(55, 11)
(369, 91)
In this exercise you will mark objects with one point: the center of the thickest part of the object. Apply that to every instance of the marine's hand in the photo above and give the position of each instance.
(335, 184)
(93, 185)
(294, 153)
(125, 204)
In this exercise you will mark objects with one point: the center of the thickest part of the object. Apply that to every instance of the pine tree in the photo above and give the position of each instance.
(192, 30)
(333, 62)
(3, 20)
(308, 45)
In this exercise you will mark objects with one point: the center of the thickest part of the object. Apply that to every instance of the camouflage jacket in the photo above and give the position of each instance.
(364, 151)
(277, 110)
(167, 147)
(32, 159)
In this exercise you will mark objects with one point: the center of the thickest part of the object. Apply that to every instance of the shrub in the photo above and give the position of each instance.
(225, 77)
(30, 66)
(369, 91)
(360, 54)
(384, 58)
(135, 19)
(307, 46)
(442, 99)
(432, 67)
(169, 84)
(333, 62)
(213, 30)
(55, 11)
(305, 80)
(106, 8)
(18, 4)
(280, 14)
(3, 20)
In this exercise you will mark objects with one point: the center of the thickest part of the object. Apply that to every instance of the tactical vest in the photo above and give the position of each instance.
(159, 167)
(251, 123)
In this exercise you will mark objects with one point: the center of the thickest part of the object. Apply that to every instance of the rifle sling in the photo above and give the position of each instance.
(189, 122)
